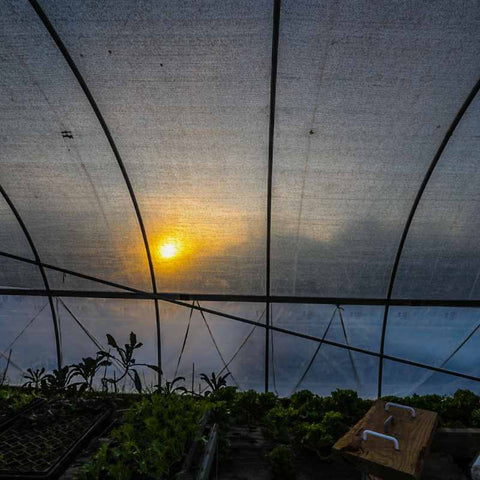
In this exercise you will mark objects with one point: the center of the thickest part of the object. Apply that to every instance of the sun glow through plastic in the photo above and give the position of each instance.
(168, 250)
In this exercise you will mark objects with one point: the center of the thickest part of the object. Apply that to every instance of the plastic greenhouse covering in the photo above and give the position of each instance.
(288, 191)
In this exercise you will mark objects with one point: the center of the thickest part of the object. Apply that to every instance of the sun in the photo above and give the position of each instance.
(168, 250)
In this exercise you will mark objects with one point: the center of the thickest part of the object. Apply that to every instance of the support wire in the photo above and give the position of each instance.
(184, 342)
(314, 356)
(350, 355)
(216, 346)
(24, 329)
(429, 374)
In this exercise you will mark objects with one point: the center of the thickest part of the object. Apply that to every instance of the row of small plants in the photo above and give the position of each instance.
(462, 410)
(156, 431)
(152, 440)
(304, 422)
(80, 377)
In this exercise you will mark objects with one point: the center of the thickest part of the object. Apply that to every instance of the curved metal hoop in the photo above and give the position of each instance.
(413, 210)
(61, 46)
(42, 272)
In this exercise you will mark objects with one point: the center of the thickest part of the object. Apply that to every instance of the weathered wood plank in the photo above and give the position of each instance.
(378, 456)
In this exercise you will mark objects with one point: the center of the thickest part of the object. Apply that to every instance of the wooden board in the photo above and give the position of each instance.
(378, 456)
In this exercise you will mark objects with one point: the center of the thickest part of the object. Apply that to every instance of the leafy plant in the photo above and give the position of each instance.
(311, 408)
(301, 398)
(126, 360)
(227, 394)
(245, 409)
(59, 380)
(265, 402)
(460, 407)
(351, 406)
(334, 424)
(88, 368)
(304, 420)
(250, 407)
(169, 388)
(279, 423)
(315, 437)
(282, 463)
(214, 382)
(320, 437)
(34, 378)
(475, 418)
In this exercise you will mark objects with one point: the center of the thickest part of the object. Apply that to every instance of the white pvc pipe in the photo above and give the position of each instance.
(410, 409)
(380, 435)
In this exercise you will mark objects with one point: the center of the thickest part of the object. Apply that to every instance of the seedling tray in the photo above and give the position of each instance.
(41, 442)
(7, 417)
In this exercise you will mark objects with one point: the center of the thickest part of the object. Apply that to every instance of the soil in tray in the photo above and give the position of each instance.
(38, 439)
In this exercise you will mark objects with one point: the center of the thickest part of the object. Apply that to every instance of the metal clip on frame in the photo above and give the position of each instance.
(380, 435)
(397, 405)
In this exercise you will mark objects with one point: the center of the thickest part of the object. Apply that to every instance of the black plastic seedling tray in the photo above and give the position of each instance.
(40, 442)
(7, 418)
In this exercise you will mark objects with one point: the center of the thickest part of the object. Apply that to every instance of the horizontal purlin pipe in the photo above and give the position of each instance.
(142, 295)
(133, 294)
(137, 294)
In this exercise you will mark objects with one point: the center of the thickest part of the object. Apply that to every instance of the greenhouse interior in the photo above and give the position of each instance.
(233, 230)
